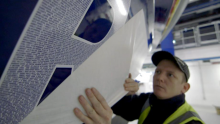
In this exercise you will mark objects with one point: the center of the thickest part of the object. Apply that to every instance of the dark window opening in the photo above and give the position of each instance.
(190, 40)
(188, 33)
(96, 23)
(178, 42)
(59, 75)
(207, 29)
(208, 37)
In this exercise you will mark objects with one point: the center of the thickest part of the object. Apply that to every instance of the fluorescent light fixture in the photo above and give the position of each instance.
(174, 41)
(191, 1)
(121, 7)
(150, 48)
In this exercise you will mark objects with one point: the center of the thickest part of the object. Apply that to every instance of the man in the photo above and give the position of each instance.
(165, 105)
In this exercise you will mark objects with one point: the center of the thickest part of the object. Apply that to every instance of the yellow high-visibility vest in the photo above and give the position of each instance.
(184, 114)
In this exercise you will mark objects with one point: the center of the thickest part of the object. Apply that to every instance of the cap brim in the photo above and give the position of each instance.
(161, 55)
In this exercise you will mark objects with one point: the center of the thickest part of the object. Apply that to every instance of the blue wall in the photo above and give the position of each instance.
(167, 43)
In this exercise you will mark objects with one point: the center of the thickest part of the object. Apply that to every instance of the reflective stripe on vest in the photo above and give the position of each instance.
(182, 115)
(144, 112)
(185, 116)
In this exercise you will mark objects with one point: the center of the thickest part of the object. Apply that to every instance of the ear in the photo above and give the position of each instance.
(185, 88)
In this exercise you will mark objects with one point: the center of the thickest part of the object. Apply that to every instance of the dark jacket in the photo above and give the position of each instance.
(129, 107)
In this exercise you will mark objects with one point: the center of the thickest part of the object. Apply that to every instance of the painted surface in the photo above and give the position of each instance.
(122, 53)
(83, 35)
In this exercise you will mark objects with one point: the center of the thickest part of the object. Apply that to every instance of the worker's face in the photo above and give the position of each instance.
(168, 80)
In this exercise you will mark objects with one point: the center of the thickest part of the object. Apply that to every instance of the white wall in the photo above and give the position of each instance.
(205, 83)
(211, 79)
(205, 89)
(195, 93)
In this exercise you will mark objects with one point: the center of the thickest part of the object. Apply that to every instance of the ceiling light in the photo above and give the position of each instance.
(150, 48)
(121, 7)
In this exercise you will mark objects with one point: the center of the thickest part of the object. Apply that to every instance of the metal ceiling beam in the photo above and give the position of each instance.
(196, 21)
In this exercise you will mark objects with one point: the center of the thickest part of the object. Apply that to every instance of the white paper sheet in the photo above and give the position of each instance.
(106, 69)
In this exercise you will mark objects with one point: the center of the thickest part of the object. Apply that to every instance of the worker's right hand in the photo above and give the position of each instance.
(99, 112)
(130, 85)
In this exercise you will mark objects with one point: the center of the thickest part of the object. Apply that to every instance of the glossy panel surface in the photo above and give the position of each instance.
(106, 74)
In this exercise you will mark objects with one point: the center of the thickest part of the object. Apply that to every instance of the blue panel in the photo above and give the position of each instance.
(150, 39)
(167, 43)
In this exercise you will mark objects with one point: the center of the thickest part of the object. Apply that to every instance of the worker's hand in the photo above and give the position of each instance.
(130, 85)
(98, 113)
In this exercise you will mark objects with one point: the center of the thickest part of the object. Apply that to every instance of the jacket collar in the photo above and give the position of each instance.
(176, 100)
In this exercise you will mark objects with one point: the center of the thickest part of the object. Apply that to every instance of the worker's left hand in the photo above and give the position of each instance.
(131, 86)
(98, 113)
